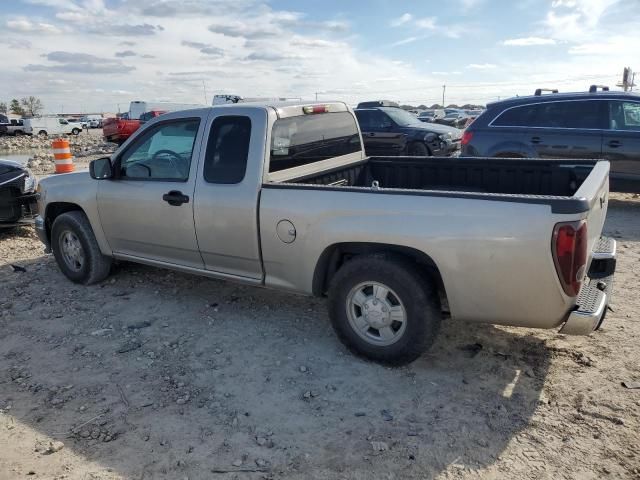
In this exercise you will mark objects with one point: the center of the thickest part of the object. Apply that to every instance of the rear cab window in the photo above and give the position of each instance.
(306, 139)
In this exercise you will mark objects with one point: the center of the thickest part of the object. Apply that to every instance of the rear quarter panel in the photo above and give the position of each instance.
(494, 256)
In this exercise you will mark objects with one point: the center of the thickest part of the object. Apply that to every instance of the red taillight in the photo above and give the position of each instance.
(570, 255)
(310, 109)
(466, 137)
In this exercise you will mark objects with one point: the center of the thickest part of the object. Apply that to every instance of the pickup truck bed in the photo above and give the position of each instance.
(473, 175)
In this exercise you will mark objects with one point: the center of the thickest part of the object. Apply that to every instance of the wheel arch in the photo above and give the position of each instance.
(54, 210)
(336, 255)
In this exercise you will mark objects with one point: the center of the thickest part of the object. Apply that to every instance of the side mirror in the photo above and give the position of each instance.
(101, 169)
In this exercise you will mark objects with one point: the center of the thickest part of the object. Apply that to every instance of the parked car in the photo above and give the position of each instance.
(17, 194)
(430, 116)
(455, 119)
(12, 127)
(377, 103)
(393, 131)
(593, 124)
(44, 126)
(91, 121)
(281, 195)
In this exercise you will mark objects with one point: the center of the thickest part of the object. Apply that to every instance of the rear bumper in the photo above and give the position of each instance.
(595, 295)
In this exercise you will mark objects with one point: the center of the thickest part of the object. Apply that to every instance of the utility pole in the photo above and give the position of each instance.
(204, 89)
(444, 87)
(316, 96)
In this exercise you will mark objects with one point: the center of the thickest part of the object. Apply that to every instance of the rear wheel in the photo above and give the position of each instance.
(76, 131)
(384, 309)
(76, 250)
(42, 133)
(418, 149)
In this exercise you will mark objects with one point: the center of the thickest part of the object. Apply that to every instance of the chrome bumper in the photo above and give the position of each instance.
(595, 296)
(41, 231)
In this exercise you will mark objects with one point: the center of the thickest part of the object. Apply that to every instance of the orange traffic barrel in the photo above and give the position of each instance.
(62, 156)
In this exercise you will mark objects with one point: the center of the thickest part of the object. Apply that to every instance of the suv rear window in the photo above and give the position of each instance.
(570, 114)
(307, 139)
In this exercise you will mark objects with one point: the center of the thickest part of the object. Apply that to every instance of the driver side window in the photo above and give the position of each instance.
(380, 120)
(162, 153)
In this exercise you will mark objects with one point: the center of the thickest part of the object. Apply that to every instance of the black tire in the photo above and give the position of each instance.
(414, 291)
(42, 133)
(95, 266)
(418, 149)
(76, 131)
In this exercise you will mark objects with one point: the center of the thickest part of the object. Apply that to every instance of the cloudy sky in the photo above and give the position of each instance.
(97, 55)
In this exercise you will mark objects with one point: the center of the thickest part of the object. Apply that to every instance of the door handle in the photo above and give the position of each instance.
(175, 198)
(371, 134)
(536, 140)
(615, 143)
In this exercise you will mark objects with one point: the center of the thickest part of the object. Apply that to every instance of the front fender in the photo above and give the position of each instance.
(61, 191)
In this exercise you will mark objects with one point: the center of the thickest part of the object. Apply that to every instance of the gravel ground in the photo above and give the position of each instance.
(85, 147)
(159, 375)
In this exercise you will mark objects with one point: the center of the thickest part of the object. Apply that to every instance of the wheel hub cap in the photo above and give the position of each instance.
(376, 313)
(72, 251)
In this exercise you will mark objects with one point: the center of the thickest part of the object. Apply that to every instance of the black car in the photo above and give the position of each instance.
(393, 131)
(594, 124)
(453, 119)
(17, 194)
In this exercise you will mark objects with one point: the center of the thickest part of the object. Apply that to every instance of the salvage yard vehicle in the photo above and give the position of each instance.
(17, 194)
(281, 195)
(118, 130)
(12, 127)
(594, 124)
(44, 126)
(393, 131)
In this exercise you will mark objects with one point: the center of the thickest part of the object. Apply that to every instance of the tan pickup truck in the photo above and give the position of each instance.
(281, 196)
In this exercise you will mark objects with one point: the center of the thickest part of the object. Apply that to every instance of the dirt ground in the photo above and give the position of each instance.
(159, 375)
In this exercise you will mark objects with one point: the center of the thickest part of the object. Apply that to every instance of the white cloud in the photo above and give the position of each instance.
(401, 20)
(428, 23)
(481, 66)
(528, 41)
(405, 41)
(27, 26)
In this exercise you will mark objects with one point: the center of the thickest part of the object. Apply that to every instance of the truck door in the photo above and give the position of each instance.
(227, 193)
(146, 212)
(621, 144)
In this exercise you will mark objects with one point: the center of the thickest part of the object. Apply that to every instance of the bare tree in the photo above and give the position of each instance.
(31, 105)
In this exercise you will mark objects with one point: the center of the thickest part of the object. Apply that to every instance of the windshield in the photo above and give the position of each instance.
(401, 117)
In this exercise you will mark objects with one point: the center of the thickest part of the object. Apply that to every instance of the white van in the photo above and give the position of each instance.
(50, 126)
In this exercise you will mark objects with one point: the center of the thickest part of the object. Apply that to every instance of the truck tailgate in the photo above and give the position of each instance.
(595, 189)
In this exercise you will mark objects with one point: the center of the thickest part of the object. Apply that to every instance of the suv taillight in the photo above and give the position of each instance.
(569, 246)
(466, 137)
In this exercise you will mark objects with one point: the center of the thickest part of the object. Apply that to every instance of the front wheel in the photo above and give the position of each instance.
(384, 309)
(76, 250)
(418, 149)
(42, 133)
